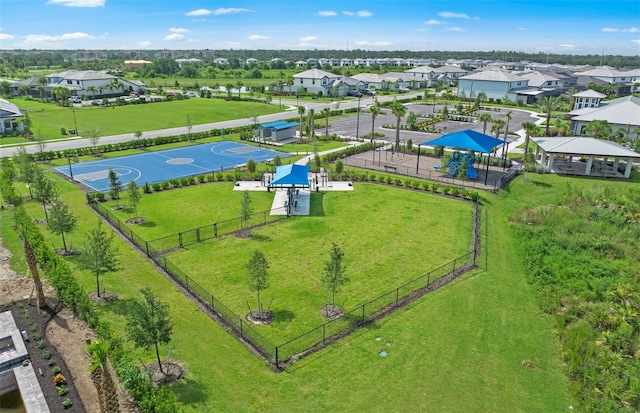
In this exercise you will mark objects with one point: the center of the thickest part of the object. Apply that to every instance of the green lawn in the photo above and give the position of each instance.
(479, 344)
(48, 119)
(298, 247)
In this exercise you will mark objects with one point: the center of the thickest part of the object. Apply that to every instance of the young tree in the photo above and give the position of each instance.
(61, 220)
(115, 186)
(100, 255)
(312, 123)
(334, 273)
(133, 196)
(45, 189)
(189, 126)
(251, 165)
(326, 112)
(94, 138)
(529, 129)
(484, 118)
(374, 110)
(245, 211)
(149, 323)
(101, 377)
(412, 119)
(549, 104)
(26, 168)
(258, 279)
(138, 135)
(41, 302)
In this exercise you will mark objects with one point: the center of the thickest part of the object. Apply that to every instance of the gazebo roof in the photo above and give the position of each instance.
(279, 125)
(584, 147)
(467, 139)
(291, 176)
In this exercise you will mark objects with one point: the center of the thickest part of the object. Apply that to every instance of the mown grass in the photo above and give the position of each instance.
(478, 344)
(298, 247)
(48, 119)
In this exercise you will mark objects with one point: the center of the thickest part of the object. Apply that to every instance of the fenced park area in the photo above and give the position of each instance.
(161, 166)
(388, 265)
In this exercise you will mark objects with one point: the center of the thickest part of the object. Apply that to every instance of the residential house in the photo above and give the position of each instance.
(133, 65)
(313, 80)
(587, 99)
(496, 84)
(621, 113)
(9, 115)
(625, 80)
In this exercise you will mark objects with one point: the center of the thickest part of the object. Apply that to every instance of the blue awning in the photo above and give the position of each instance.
(279, 125)
(467, 139)
(291, 176)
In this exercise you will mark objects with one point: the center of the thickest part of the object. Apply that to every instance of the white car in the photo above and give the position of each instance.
(75, 99)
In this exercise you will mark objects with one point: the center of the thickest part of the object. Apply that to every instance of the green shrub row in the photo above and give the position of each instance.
(150, 399)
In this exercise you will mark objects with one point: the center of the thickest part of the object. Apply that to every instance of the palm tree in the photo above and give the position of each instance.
(101, 376)
(529, 129)
(600, 129)
(375, 111)
(229, 86)
(485, 118)
(497, 126)
(25, 89)
(239, 84)
(312, 123)
(506, 131)
(398, 110)
(43, 85)
(549, 104)
(326, 112)
(93, 90)
(301, 110)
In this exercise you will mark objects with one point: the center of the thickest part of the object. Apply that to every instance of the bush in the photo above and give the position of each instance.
(62, 390)
(201, 178)
(46, 355)
(55, 370)
(67, 403)
(157, 187)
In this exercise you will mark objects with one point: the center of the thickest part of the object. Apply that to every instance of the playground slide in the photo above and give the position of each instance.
(454, 164)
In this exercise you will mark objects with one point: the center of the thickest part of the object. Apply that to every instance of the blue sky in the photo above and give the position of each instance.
(558, 26)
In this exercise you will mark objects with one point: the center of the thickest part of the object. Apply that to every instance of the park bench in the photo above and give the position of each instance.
(390, 167)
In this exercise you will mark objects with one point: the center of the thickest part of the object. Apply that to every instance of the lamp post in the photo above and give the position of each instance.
(358, 118)
(69, 163)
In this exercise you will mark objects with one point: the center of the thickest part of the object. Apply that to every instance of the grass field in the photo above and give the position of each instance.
(478, 344)
(298, 247)
(48, 119)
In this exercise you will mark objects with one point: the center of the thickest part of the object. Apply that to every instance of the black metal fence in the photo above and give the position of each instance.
(218, 229)
(288, 352)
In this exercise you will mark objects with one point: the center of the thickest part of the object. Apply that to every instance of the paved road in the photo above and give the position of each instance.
(291, 111)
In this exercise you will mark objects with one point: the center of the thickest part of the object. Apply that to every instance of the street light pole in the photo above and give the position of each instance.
(358, 119)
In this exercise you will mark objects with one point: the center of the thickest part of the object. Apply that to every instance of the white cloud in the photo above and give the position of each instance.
(636, 41)
(232, 44)
(566, 47)
(421, 29)
(178, 30)
(361, 13)
(616, 30)
(199, 12)
(5, 36)
(523, 29)
(78, 3)
(230, 10)
(455, 29)
(378, 43)
(144, 43)
(45, 38)
(174, 36)
(327, 13)
(308, 38)
(311, 45)
(452, 15)
(257, 37)
(434, 22)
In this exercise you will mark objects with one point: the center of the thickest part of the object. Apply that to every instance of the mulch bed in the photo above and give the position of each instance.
(27, 318)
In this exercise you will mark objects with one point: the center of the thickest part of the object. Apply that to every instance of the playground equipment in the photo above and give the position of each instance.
(456, 159)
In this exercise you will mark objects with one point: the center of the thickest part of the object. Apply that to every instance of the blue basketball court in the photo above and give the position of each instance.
(170, 164)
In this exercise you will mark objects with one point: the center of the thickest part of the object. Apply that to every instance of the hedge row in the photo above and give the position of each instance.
(150, 399)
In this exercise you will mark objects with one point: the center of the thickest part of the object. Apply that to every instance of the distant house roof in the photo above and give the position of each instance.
(496, 75)
(278, 125)
(589, 93)
(82, 75)
(9, 110)
(315, 74)
(621, 111)
(584, 147)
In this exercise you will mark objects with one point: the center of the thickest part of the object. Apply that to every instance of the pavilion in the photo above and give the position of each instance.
(292, 178)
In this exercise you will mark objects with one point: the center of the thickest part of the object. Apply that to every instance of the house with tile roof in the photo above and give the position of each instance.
(9, 117)
(621, 113)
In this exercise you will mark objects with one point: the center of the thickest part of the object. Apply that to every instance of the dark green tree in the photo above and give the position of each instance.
(26, 168)
(115, 187)
(45, 189)
(149, 323)
(333, 276)
(245, 211)
(251, 165)
(133, 196)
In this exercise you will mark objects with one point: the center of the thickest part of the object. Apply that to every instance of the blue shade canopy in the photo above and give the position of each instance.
(467, 139)
(291, 175)
(279, 125)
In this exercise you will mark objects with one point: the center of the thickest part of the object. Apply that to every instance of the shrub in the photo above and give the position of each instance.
(146, 188)
(407, 183)
(211, 177)
(51, 362)
(426, 186)
(219, 176)
(388, 179)
(397, 181)
(59, 380)
(67, 403)
(455, 191)
(166, 185)
(56, 370)
(46, 354)
(157, 187)
(201, 178)
(446, 190)
(435, 186)
(41, 344)
(62, 390)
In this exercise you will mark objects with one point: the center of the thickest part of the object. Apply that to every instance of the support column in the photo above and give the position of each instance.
(627, 170)
(587, 170)
(550, 162)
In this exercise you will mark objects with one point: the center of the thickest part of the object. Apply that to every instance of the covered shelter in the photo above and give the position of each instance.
(278, 130)
(292, 178)
(584, 156)
(467, 139)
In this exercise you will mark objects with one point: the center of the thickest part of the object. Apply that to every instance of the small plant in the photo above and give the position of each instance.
(56, 370)
(62, 390)
(201, 178)
(66, 403)
(51, 362)
(20, 305)
(37, 336)
(43, 313)
(41, 344)
(46, 354)
(59, 380)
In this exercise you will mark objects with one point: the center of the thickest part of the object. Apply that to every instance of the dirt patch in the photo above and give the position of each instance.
(136, 220)
(260, 317)
(331, 311)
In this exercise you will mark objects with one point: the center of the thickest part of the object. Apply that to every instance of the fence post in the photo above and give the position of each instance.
(215, 230)
(362, 321)
(186, 280)
(428, 279)
(241, 333)
(211, 301)
(324, 333)
(180, 239)
(165, 262)
(397, 293)
(277, 359)
(147, 247)
(198, 234)
(454, 267)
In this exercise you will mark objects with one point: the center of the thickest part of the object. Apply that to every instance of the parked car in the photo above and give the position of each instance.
(369, 92)
(192, 94)
(403, 89)
(96, 102)
(75, 99)
(354, 93)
